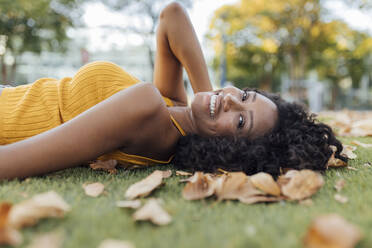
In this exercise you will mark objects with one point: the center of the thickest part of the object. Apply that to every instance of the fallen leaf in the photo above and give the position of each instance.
(222, 171)
(349, 123)
(153, 212)
(341, 198)
(47, 240)
(129, 204)
(259, 198)
(362, 128)
(340, 184)
(347, 151)
(266, 183)
(352, 168)
(112, 243)
(167, 173)
(44, 205)
(183, 173)
(335, 162)
(199, 186)
(330, 231)
(145, 186)
(358, 143)
(234, 186)
(302, 184)
(8, 234)
(107, 165)
(93, 189)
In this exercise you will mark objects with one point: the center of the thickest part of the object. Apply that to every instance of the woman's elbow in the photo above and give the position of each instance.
(172, 10)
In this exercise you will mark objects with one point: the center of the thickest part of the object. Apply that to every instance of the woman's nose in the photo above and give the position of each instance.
(231, 102)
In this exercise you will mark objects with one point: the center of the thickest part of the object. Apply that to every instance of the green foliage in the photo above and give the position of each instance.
(36, 25)
(268, 38)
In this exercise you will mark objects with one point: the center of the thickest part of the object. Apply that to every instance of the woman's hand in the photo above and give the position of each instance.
(178, 47)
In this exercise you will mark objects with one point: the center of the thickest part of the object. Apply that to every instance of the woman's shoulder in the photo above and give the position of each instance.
(148, 101)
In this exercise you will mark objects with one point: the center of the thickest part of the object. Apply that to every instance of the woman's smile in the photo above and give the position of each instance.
(233, 112)
(214, 104)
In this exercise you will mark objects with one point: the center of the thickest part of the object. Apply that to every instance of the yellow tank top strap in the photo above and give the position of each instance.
(183, 133)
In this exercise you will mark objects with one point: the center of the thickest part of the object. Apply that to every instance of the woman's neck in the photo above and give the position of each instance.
(183, 116)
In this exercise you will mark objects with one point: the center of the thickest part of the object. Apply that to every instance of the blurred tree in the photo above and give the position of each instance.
(342, 53)
(266, 39)
(147, 13)
(33, 26)
(361, 4)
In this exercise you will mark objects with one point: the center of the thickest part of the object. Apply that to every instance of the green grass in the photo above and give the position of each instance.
(204, 223)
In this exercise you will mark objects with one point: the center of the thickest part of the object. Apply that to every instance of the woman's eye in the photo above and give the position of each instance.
(241, 121)
(245, 95)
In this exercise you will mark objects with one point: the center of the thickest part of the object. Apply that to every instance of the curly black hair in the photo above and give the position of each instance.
(297, 141)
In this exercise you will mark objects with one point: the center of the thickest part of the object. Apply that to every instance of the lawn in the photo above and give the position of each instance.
(205, 223)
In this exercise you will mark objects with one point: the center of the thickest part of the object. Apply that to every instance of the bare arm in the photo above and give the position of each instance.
(177, 46)
(103, 128)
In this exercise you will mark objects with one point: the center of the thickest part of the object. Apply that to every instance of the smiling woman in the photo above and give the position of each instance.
(104, 112)
(233, 112)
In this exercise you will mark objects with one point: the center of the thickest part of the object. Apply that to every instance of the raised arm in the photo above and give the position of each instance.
(177, 47)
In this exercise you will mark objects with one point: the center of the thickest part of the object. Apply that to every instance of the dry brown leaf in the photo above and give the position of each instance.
(335, 162)
(93, 189)
(145, 186)
(266, 183)
(347, 151)
(350, 123)
(167, 174)
(364, 145)
(8, 234)
(107, 165)
(183, 173)
(362, 128)
(259, 198)
(302, 184)
(341, 198)
(234, 186)
(44, 205)
(199, 186)
(340, 184)
(112, 243)
(153, 212)
(47, 240)
(191, 178)
(129, 204)
(222, 171)
(331, 231)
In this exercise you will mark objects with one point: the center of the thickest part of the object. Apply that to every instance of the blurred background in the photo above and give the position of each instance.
(316, 52)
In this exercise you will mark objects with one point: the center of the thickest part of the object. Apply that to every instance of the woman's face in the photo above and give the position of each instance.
(233, 112)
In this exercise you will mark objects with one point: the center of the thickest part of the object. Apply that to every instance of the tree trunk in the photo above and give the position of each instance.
(13, 72)
(4, 79)
(335, 94)
(151, 60)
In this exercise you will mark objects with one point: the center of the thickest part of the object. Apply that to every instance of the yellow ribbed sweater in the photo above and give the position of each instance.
(28, 110)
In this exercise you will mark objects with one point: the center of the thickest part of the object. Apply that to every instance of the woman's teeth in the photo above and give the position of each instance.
(212, 105)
